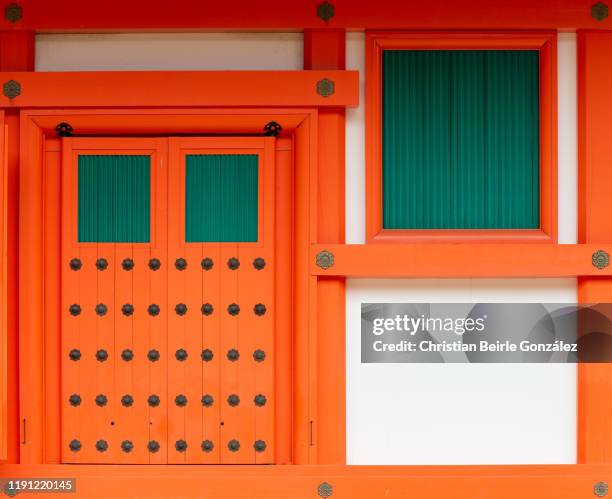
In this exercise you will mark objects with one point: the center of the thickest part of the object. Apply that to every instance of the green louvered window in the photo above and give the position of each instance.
(221, 198)
(114, 199)
(460, 138)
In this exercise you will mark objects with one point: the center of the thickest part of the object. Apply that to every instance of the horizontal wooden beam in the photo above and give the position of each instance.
(193, 15)
(461, 260)
(302, 482)
(181, 88)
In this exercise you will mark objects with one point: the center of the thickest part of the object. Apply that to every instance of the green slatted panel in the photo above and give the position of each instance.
(221, 198)
(460, 139)
(114, 203)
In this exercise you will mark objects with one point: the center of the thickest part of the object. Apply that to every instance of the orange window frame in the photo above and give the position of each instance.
(545, 43)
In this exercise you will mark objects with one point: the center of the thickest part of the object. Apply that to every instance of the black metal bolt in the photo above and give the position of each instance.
(102, 355)
(207, 355)
(260, 400)
(180, 264)
(233, 309)
(127, 355)
(101, 400)
(181, 354)
(74, 309)
(259, 446)
(127, 264)
(101, 445)
(153, 310)
(325, 11)
(233, 445)
(233, 355)
(259, 263)
(127, 446)
(233, 263)
(13, 13)
(74, 445)
(207, 263)
(180, 309)
(207, 400)
(153, 400)
(259, 309)
(101, 309)
(75, 354)
(64, 129)
(207, 309)
(127, 401)
(180, 445)
(154, 264)
(207, 446)
(272, 129)
(127, 309)
(180, 400)
(101, 264)
(153, 446)
(153, 355)
(259, 355)
(75, 400)
(75, 264)
(233, 400)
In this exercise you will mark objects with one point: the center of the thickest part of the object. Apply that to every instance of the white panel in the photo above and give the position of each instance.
(458, 413)
(169, 51)
(568, 138)
(355, 145)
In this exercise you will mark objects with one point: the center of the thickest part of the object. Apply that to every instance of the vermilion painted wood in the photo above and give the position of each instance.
(595, 226)
(182, 88)
(3, 292)
(17, 50)
(326, 49)
(545, 43)
(154, 15)
(460, 260)
(348, 482)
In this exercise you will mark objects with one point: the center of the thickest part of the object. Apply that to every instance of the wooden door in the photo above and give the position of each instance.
(168, 300)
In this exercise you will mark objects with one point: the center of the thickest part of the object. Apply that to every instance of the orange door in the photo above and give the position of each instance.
(168, 300)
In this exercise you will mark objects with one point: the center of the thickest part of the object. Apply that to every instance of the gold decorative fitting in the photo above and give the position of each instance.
(325, 490)
(600, 489)
(325, 259)
(326, 87)
(325, 11)
(11, 89)
(13, 13)
(601, 259)
(599, 11)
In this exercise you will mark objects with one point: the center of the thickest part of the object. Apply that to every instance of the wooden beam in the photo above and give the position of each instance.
(193, 15)
(347, 482)
(460, 260)
(594, 227)
(182, 88)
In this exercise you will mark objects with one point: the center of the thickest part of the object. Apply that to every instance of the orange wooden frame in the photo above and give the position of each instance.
(38, 278)
(545, 43)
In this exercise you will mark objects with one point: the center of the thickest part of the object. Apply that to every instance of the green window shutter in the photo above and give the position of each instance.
(114, 199)
(460, 135)
(221, 198)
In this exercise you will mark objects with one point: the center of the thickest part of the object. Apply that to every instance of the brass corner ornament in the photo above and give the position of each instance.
(325, 11)
(325, 490)
(13, 13)
(325, 259)
(601, 259)
(326, 87)
(600, 489)
(599, 11)
(11, 89)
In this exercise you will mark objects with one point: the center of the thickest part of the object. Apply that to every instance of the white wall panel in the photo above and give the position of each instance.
(169, 51)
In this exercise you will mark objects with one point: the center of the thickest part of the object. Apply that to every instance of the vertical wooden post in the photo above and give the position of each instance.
(16, 54)
(325, 49)
(595, 226)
